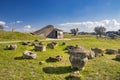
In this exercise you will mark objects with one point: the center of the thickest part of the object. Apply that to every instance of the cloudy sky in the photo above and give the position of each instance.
(30, 15)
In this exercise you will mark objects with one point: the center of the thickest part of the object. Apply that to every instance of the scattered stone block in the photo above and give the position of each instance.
(36, 40)
(26, 43)
(78, 57)
(55, 58)
(111, 51)
(118, 57)
(90, 54)
(41, 62)
(98, 52)
(40, 48)
(69, 47)
(74, 76)
(40, 43)
(118, 51)
(64, 43)
(54, 43)
(51, 45)
(11, 47)
(29, 55)
(33, 44)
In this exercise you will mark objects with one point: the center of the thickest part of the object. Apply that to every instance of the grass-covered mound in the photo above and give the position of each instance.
(12, 67)
(14, 36)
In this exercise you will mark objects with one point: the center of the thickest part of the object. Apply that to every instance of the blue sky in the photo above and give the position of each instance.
(65, 14)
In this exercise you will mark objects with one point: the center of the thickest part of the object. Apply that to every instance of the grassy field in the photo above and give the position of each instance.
(12, 67)
(17, 36)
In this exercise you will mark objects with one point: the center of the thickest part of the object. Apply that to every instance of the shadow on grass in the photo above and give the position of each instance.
(58, 70)
(18, 58)
(7, 49)
(21, 58)
(116, 59)
(49, 60)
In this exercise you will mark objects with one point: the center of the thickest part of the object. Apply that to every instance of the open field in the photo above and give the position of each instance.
(13, 67)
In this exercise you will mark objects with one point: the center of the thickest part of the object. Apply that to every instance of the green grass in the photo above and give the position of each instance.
(99, 68)
(78, 36)
(14, 36)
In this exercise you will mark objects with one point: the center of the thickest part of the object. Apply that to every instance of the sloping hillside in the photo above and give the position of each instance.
(13, 36)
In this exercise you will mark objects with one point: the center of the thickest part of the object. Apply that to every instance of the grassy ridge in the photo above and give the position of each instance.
(12, 36)
(99, 68)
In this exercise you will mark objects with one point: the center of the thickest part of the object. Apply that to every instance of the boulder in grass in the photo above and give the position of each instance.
(26, 43)
(74, 76)
(41, 62)
(98, 52)
(90, 54)
(11, 47)
(40, 48)
(78, 57)
(118, 57)
(32, 44)
(54, 43)
(40, 43)
(69, 47)
(51, 45)
(55, 58)
(111, 51)
(36, 40)
(29, 55)
(64, 43)
(118, 51)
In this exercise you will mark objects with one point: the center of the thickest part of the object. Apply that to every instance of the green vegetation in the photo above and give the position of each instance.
(17, 36)
(12, 67)
(78, 36)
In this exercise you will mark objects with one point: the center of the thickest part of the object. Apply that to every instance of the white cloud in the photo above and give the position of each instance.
(89, 26)
(19, 22)
(2, 23)
(27, 28)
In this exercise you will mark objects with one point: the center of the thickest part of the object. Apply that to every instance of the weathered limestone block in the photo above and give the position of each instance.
(26, 43)
(69, 47)
(54, 43)
(118, 56)
(51, 45)
(74, 76)
(98, 52)
(40, 48)
(40, 43)
(118, 51)
(41, 62)
(55, 58)
(78, 57)
(90, 54)
(36, 40)
(64, 43)
(11, 47)
(111, 51)
(29, 55)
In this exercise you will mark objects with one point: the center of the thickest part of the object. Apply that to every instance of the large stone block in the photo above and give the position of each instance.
(98, 52)
(111, 51)
(78, 57)
(40, 48)
(29, 55)
(11, 47)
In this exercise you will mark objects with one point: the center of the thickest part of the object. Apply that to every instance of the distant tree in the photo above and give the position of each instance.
(99, 30)
(1, 27)
(13, 29)
(74, 31)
